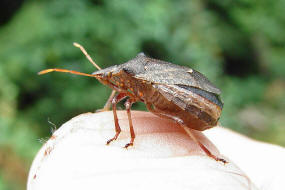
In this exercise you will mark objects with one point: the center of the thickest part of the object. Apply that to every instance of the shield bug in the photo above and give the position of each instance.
(170, 91)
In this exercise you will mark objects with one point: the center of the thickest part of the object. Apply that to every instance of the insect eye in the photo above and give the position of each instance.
(107, 75)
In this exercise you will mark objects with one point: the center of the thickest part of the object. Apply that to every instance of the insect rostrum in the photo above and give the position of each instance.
(170, 91)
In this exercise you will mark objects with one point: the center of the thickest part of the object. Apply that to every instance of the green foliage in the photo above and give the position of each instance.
(238, 44)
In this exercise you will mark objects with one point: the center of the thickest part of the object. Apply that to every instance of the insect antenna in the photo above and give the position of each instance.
(108, 103)
(66, 71)
(74, 72)
(112, 95)
(86, 54)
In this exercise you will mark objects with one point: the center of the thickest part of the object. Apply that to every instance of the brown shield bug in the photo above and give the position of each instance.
(170, 91)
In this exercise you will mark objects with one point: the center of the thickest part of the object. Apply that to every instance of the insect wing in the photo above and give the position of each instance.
(160, 72)
(172, 94)
(189, 99)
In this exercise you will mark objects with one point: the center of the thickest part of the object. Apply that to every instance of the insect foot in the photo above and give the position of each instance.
(222, 160)
(128, 144)
(112, 139)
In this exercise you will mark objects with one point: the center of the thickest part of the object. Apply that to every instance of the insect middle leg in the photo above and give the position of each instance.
(128, 105)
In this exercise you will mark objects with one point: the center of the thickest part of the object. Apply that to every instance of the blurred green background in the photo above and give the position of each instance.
(237, 44)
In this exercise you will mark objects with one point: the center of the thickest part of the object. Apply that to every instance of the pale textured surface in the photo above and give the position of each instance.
(262, 162)
(163, 157)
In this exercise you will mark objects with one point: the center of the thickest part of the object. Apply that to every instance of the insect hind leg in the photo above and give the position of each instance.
(206, 150)
(160, 113)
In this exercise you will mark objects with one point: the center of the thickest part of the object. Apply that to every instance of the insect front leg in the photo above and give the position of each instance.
(128, 105)
(115, 100)
(108, 103)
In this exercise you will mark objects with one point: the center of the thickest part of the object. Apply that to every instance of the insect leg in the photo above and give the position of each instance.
(160, 113)
(187, 130)
(108, 103)
(128, 105)
(207, 151)
(115, 100)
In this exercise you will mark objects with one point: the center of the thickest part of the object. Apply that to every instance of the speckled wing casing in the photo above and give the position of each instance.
(186, 88)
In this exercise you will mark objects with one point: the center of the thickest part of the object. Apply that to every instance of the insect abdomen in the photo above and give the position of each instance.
(195, 111)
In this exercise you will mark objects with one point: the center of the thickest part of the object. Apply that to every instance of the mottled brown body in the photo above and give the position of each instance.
(198, 114)
(165, 100)
(168, 90)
